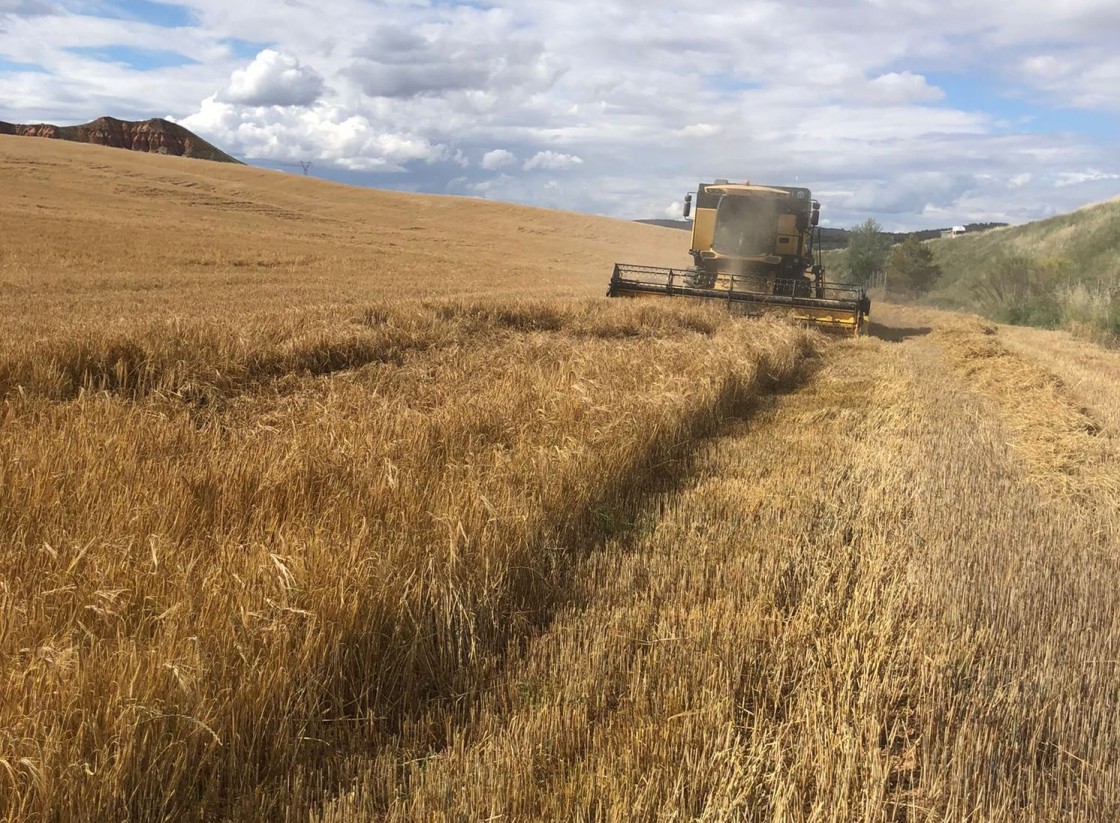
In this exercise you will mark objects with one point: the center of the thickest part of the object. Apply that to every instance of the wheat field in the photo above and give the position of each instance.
(326, 504)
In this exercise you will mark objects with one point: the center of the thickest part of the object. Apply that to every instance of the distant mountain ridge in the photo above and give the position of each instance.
(155, 136)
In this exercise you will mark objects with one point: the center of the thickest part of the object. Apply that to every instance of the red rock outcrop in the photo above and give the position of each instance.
(157, 136)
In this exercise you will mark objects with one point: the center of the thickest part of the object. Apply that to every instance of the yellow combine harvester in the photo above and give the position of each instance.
(754, 250)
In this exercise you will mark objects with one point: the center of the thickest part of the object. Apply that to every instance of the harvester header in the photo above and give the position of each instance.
(753, 247)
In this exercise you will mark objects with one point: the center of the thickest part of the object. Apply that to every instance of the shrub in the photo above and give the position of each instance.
(1092, 313)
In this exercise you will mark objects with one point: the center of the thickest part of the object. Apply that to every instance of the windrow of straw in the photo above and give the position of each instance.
(230, 553)
(1090, 374)
(1056, 436)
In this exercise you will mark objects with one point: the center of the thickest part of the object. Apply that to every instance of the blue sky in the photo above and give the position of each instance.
(916, 113)
(165, 15)
(134, 58)
(1017, 110)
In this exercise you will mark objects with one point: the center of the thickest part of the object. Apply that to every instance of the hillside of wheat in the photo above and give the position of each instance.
(329, 504)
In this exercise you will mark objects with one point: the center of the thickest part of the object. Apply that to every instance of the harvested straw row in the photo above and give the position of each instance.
(1057, 437)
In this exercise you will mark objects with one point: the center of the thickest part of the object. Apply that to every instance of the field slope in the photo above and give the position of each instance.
(1086, 241)
(170, 235)
(327, 504)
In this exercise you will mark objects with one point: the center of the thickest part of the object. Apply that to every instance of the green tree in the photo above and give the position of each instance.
(868, 248)
(910, 268)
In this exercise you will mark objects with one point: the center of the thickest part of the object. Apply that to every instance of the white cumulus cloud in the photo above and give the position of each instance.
(325, 133)
(274, 79)
(896, 88)
(551, 161)
(498, 158)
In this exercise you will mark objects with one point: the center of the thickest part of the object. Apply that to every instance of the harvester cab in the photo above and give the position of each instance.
(757, 248)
